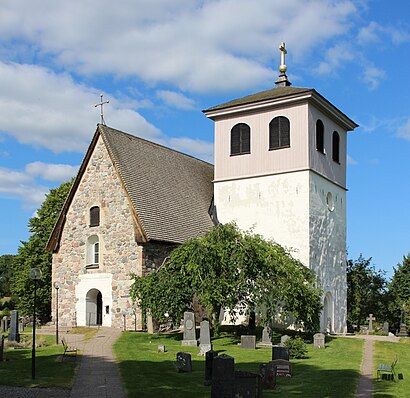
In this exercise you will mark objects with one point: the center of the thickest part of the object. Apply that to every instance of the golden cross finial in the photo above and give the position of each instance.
(101, 104)
(282, 67)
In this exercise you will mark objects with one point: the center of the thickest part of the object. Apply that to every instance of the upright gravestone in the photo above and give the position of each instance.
(209, 358)
(284, 339)
(1, 347)
(267, 336)
(21, 326)
(246, 384)
(248, 342)
(280, 352)
(267, 374)
(184, 363)
(204, 338)
(371, 318)
(283, 367)
(385, 327)
(14, 334)
(223, 377)
(4, 324)
(189, 330)
(319, 340)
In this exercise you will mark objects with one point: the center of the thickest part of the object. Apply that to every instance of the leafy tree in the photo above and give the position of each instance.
(400, 292)
(366, 291)
(33, 254)
(6, 267)
(233, 270)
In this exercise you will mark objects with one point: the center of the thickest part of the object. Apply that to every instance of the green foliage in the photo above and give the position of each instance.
(297, 347)
(400, 292)
(6, 268)
(366, 291)
(230, 269)
(33, 254)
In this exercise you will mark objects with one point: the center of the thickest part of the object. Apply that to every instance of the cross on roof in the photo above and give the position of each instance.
(101, 104)
(282, 67)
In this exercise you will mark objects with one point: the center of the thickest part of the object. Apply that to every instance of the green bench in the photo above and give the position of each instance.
(388, 370)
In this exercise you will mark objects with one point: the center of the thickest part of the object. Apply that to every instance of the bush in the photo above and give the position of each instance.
(297, 347)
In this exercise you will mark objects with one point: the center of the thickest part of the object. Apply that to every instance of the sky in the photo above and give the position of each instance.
(161, 62)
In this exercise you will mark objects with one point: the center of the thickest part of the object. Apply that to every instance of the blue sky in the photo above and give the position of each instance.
(161, 62)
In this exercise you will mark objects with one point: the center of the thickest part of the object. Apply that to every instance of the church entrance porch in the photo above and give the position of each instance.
(327, 315)
(94, 308)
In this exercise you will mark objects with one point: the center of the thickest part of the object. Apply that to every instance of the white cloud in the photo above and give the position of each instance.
(372, 76)
(404, 130)
(201, 149)
(376, 33)
(351, 161)
(200, 46)
(45, 109)
(335, 57)
(52, 172)
(176, 100)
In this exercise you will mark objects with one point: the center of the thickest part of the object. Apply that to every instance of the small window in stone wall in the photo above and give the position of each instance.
(93, 252)
(94, 216)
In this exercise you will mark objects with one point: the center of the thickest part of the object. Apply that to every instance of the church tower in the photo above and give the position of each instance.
(280, 169)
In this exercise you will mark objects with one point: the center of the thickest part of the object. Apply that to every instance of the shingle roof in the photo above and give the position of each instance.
(171, 192)
(274, 93)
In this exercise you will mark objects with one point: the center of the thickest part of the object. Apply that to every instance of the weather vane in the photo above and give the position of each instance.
(101, 104)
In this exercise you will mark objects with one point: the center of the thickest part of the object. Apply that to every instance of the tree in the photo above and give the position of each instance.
(234, 270)
(400, 292)
(366, 291)
(33, 254)
(6, 267)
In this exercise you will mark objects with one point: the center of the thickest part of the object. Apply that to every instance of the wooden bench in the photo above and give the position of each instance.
(389, 370)
(68, 349)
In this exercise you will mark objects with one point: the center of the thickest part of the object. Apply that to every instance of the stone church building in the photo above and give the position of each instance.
(279, 167)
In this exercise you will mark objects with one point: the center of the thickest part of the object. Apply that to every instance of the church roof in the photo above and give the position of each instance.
(170, 192)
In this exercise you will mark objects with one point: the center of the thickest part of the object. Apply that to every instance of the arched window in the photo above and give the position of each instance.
(335, 146)
(279, 133)
(320, 136)
(93, 252)
(240, 139)
(94, 216)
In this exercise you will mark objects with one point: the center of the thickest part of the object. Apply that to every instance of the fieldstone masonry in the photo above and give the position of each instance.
(119, 253)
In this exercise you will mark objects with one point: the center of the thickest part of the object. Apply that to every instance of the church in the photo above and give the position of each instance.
(279, 168)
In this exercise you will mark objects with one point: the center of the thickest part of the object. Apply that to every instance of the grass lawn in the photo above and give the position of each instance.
(332, 372)
(384, 352)
(15, 370)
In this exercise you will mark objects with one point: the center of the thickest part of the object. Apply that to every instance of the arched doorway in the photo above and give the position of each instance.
(93, 308)
(327, 325)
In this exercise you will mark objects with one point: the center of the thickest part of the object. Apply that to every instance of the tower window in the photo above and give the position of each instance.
(279, 133)
(240, 139)
(335, 146)
(94, 216)
(93, 252)
(320, 139)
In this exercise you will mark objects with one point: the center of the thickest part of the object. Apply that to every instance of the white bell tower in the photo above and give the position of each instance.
(280, 168)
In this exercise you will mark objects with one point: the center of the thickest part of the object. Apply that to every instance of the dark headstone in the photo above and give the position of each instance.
(280, 352)
(189, 330)
(14, 334)
(223, 377)
(283, 367)
(246, 384)
(1, 347)
(402, 331)
(319, 340)
(184, 363)
(248, 342)
(209, 357)
(267, 373)
(204, 338)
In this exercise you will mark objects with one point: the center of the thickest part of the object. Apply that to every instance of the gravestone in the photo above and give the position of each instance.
(371, 318)
(223, 377)
(4, 324)
(267, 336)
(14, 334)
(189, 330)
(319, 340)
(1, 347)
(204, 338)
(248, 342)
(245, 384)
(21, 325)
(284, 338)
(267, 372)
(280, 352)
(161, 348)
(184, 363)
(209, 357)
(385, 327)
(283, 367)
